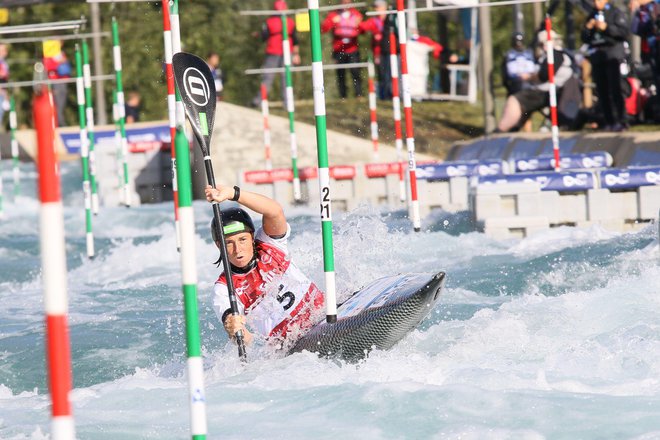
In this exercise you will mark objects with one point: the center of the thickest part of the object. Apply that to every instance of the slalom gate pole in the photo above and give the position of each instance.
(372, 106)
(407, 110)
(550, 53)
(13, 124)
(171, 113)
(195, 364)
(89, 112)
(84, 154)
(265, 113)
(118, 170)
(323, 169)
(286, 51)
(180, 112)
(396, 110)
(121, 113)
(197, 87)
(53, 266)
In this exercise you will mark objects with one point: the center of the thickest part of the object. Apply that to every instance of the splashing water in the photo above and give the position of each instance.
(552, 336)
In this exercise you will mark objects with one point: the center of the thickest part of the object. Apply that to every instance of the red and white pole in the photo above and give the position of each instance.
(265, 113)
(372, 107)
(171, 110)
(53, 266)
(396, 109)
(407, 109)
(550, 53)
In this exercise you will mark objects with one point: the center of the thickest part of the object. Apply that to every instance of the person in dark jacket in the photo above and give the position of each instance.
(605, 31)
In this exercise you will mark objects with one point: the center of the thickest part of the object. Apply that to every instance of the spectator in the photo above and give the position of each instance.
(520, 106)
(57, 67)
(133, 107)
(518, 68)
(646, 25)
(374, 25)
(419, 47)
(345, 26)
(4, 78)
(213, 61)
(605, 31)
(389, 26)
(271, 33)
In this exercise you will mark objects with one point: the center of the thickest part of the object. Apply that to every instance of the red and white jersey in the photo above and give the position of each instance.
(345, 27)
(275, 296)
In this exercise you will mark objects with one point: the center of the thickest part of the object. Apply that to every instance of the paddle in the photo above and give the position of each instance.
(195, 84)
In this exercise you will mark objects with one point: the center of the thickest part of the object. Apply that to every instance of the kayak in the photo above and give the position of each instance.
(375, 317)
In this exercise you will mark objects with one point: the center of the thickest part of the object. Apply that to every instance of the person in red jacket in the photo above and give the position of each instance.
(58, 67)
(374, 25)
(345, 27)
(271, 33)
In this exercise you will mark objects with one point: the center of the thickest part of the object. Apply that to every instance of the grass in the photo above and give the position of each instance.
(437, 125)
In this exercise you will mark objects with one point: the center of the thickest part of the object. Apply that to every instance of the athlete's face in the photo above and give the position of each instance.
(240, 248)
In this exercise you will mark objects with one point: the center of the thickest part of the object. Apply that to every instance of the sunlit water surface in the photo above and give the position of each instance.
(556, 336)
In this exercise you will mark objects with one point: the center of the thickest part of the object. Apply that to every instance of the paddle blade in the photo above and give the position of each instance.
(195, 84)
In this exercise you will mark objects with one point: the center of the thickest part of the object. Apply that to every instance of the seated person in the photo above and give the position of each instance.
(519, 65)
(520, 106)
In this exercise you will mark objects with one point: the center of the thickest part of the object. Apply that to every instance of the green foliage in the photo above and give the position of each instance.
(206, 25)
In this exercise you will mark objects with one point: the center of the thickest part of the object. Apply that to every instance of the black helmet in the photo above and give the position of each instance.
(234, 220)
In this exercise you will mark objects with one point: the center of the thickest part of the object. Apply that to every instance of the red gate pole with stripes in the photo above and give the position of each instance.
(53, 266)
(396, 110)
(550, 53)
(407, 110)
(171, 111)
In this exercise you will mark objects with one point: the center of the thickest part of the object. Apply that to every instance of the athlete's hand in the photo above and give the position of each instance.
(218, 194)
(235, 323)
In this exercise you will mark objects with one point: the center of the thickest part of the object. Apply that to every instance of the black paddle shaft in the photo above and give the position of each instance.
(195, 84)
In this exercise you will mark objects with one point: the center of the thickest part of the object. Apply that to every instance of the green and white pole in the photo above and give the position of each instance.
(14, 146)
(324, 170)
(84, 154)
(198, 425)
(286, 52)
(89, 113)
(118, 151)
(189, 275)
(123, 150)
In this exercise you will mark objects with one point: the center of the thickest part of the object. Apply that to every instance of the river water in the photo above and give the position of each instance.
(556, 336)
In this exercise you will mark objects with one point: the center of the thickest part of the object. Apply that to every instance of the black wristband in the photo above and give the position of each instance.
(237, 194)
(225, 314)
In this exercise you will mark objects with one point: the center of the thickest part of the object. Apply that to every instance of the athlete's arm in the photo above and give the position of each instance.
(273, 222)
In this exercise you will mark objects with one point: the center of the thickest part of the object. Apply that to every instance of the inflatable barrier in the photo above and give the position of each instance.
(563, 181)
(629, 178)
(596, 159)
(447, 170)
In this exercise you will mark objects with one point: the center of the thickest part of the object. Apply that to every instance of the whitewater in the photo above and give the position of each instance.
(555, 336)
